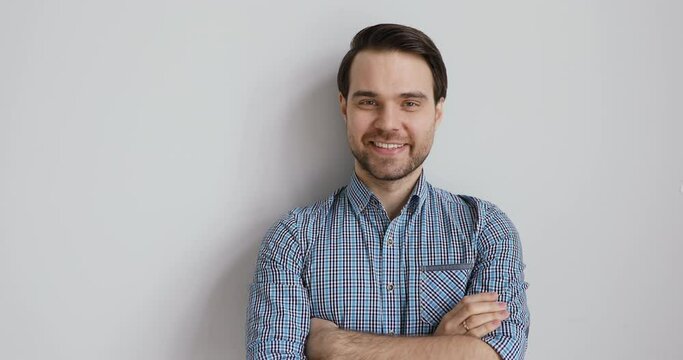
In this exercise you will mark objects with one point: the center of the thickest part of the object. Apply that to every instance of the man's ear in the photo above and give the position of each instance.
(342, 106)
(439, 111)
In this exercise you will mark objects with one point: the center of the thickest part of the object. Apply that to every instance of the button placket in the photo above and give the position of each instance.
(391, 277)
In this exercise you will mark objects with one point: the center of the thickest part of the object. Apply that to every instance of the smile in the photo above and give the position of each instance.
(387, 145)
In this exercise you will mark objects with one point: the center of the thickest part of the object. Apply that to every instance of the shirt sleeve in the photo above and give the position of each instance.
(278, 312)
(500, 268)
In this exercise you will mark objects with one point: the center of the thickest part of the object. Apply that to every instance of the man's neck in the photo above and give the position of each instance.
(393, 194)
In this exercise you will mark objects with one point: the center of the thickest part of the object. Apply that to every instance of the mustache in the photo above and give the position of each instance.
(386, 138)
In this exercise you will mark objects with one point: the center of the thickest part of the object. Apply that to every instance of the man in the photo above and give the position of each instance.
(390, 267)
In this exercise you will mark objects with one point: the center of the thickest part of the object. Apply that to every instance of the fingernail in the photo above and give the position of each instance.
(502, 305)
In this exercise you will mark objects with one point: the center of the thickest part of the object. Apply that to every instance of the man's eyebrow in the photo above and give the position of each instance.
(361, 93)
(413, 94)
(409, 94)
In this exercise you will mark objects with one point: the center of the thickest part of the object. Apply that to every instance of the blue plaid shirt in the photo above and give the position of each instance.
(342, 259)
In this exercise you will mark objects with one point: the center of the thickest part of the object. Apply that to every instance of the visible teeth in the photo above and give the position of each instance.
(388, 146)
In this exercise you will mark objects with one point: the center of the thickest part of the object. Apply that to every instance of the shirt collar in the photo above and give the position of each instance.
(360, 196)
(419, 194)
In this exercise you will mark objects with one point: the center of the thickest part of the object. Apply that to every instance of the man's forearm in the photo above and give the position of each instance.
(355, 345)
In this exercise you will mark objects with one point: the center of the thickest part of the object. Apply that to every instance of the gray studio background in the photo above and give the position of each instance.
(146, 147)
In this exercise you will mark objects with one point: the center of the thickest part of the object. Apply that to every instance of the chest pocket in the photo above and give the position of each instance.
(441, 288)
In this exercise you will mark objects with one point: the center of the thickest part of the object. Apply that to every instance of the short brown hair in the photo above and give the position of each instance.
(400, 38)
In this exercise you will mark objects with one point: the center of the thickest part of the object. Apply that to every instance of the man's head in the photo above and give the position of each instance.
(393, 37)
(392, 85)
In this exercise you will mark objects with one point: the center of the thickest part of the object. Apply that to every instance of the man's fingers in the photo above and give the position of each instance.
(464, 311)
(485, 329)
(471, 305)
(487, 296)
(469, 301)
(479, 320)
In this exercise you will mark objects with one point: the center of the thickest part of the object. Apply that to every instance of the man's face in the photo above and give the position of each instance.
(390, 113)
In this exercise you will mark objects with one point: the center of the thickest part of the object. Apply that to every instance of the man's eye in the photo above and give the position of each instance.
(368, 102)
(410, 104)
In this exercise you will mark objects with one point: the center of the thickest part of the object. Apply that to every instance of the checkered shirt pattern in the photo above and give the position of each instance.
(343, 259)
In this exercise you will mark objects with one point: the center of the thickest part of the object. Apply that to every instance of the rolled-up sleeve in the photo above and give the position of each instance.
(278, 312)
(500, 268)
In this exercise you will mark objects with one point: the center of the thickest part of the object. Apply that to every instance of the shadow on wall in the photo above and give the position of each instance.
(220, 330)
(317, 153)
(318, 162)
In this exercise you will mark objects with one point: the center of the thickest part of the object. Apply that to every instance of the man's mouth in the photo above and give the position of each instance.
(386, 145)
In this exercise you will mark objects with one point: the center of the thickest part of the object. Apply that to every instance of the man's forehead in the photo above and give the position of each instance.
(390, 73)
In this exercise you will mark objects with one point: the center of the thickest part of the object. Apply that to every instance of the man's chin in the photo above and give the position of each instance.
(385, 175)
(383, 169)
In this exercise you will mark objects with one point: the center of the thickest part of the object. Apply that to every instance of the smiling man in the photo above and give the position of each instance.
(390, 267)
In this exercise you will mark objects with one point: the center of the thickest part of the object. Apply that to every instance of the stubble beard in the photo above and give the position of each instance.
(387, 169)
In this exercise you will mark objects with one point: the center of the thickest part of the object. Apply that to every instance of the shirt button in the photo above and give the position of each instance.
(390, 241)
(390, 286)
(391, 332)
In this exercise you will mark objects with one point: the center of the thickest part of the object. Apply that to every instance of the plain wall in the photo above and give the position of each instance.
(146, 146)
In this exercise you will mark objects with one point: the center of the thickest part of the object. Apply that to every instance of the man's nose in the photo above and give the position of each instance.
(388, 118)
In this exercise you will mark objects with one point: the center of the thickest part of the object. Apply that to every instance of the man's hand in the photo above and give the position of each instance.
(319, 342)
(481, 314)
